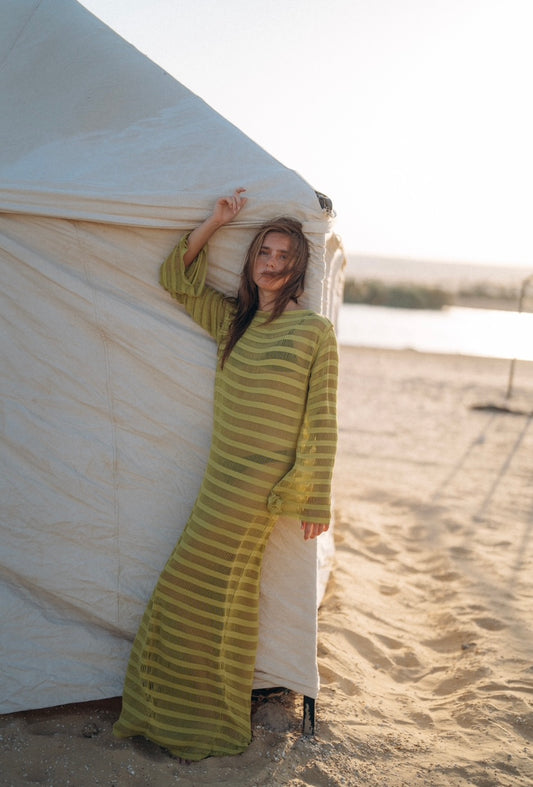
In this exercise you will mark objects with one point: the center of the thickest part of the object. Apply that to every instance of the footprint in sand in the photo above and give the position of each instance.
(459, 681)
(451, 642)
(524, 725)
(382, 549)
(422, 720)
(491, 624)
(329, 677)
(388, 590)
(461, 552)
(408, 660)
(417, 533)
(389, 642)
(403, 656)
(446, 576)
(374, 543)
(368, 650)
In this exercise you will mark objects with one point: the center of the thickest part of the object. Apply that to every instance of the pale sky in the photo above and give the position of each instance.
(414, 116)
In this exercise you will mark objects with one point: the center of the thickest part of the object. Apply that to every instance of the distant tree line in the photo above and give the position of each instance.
(419, 296)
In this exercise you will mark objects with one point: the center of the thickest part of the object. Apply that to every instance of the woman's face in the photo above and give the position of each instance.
(272, 261)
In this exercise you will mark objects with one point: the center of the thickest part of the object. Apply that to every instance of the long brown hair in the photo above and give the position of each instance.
(247, 300)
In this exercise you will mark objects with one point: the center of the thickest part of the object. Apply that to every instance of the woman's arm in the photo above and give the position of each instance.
(225, 210)
(305, 490)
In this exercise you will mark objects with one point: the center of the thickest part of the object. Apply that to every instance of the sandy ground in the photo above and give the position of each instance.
(426, 635)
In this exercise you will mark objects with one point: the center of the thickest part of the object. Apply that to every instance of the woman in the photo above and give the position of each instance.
(189, 680)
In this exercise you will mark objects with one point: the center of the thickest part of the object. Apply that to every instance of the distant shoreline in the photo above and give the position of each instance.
(433, 285)
(421, 295)
(450, 276)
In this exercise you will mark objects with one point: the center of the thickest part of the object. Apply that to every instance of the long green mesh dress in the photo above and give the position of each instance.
(189, 680)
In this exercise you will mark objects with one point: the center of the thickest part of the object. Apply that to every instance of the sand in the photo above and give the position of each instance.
(426, 636)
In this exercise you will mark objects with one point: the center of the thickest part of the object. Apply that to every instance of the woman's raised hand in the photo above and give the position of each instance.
(226, 208)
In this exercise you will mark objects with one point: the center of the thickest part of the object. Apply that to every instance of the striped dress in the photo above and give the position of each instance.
(189, 680)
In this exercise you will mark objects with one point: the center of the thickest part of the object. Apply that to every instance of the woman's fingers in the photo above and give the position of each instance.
(228, 207)
(238, 201)
(313, 529)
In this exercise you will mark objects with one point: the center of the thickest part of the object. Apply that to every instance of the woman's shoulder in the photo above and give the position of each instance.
(310, 317)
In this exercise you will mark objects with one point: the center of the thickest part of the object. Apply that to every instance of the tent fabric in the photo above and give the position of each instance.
(106, 383)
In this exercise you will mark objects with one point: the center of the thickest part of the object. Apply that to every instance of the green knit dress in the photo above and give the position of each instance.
(189, 680)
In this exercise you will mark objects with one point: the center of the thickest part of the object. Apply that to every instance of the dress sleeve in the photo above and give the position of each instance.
(305, 491)
(207, 307)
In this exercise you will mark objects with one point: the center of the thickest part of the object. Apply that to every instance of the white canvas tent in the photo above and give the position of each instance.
(106, 384)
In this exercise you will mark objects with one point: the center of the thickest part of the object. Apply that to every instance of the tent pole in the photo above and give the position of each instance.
(523, 289)
(308, 725)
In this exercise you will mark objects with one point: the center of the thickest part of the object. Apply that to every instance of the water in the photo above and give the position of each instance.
(483, 332)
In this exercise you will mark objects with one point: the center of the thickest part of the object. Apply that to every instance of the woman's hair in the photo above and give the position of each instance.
(247, 300)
